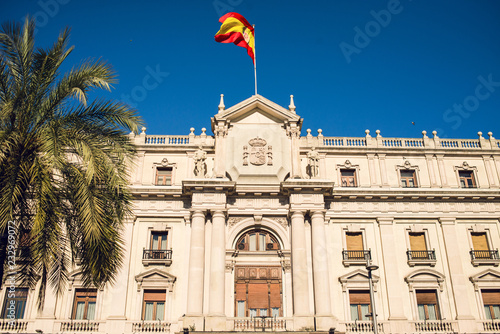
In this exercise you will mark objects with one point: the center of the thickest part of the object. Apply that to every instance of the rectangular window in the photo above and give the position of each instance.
(491, 301)
(241, 308)
(159, 240)
(408, 179)
(84, 304)
(154, 305)
(466, 179)
(263, 312)
(427, 305)
(275, 312)
(164, 176)
(359, 305)
(348, 177)
(19, 297)
(417, 241)
(253, 312)
(354, 240)
(480, 245)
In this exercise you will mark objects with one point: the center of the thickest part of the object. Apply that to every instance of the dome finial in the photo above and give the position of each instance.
(291, 107)
(221, 104)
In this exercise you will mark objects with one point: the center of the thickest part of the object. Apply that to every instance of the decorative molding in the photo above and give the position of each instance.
(234, 220)
(259, 155)
(425, 279)
(155, 278)
(282, 221)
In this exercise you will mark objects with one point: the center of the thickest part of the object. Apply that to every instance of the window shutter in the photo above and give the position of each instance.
(258, 295)
(275, 295)
(417, 241)
(359, 297)
(154, 295)
(479, 241)
(491, 297)
(241, 291)
(354, 241)
(426, 297)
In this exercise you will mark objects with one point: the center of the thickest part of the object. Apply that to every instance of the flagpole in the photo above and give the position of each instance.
(254, 60)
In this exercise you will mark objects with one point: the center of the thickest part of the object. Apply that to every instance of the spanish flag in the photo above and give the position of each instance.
(235, 29)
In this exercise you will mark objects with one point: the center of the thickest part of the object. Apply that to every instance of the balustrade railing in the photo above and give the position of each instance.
(435, 326)
(484, 254)
(9, 326)
(167, 140)
(491, 326)
(80, 326)
(421, 255)
(362, 327)
(259, 324)
(154, 254)
(356, 255)
(150, 327)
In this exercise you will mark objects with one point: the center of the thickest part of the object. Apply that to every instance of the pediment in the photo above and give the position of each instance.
(156, 275)
(425, 275)
(486, 276)
(358, 275)
(257, 109)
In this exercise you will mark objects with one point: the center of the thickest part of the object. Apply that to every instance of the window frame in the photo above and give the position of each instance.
(164, 169)
(426, 306)
(346, 261)
(243, 242)
(164, 164)
(350, 178)
(432, 258)
(86, 300)
(148, 258)
(361, 317)
(6, 301)
(407, 166)
(426, 279)
(466, 168)
(347, 166)
(155, 304)
(494, 259)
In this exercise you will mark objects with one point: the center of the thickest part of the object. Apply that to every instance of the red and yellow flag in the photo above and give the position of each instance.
(236, 29)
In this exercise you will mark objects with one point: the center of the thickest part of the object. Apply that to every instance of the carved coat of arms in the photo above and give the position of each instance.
(259, 154)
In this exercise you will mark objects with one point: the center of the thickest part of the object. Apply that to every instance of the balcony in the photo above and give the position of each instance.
(490, 326)
(80, 326)
(362, 327)
(435, 326)
(157, 257)
(421, 257)
(355, 257)
(484, 257)
(151, 327)
(273, 324)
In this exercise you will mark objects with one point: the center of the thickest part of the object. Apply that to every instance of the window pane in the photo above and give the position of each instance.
(164, 242)
(80, 309)
(365, 309)
(148, 311)
(91, 311)
(253, 312)
(160, 311)
(275, 312)
(155, 241)
(253, 242)
(421, 312)
(262, 242)
(487, 312)
(354, 312)
(241, 308)
(496, 311)
(432, 312)
(263, 311)
(20, 306)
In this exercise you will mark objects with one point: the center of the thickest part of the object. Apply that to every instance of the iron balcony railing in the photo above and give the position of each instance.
(155, 254)
(421, 255)
(484, 254)
(356, 255)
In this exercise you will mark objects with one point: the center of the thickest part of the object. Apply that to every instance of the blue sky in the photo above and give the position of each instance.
(351, 65)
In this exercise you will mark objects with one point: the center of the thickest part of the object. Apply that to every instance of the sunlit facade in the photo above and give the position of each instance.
(258, 225)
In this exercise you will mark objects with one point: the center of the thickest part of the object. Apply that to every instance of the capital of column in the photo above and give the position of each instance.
(197, 213)
(218, 214)
(297, 214)
(318, 214)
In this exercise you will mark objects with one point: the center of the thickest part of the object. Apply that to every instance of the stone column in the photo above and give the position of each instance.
(371, 167)
(391, 271)
(140, 167)
(321, 278)
(220, 133)
(383, 171)
(458, 279)
(430, 168)
(294, 134)
(442, 170)
(492, 179)
(299, 271)
(196, 271)
(216, 300)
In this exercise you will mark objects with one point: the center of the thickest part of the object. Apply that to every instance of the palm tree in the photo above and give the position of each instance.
(63, 163)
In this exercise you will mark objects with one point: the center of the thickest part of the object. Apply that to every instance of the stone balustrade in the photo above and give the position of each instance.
(80, 326)
(17, 326)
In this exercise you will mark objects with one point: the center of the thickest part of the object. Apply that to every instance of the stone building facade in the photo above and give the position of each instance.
(258, 225)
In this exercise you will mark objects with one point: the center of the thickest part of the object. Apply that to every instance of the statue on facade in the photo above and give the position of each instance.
(313, 167)
(200, 167)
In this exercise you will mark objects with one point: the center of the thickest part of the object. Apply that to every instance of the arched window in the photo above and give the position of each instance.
(257, 240)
